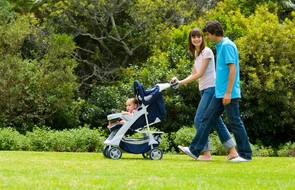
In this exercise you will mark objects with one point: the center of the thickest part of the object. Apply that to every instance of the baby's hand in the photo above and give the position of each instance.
(124, 112)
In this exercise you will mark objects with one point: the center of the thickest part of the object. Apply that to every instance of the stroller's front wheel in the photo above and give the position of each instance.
(156, 154)
(115, 153)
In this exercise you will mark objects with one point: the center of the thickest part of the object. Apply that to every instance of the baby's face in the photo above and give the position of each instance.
(130, 105)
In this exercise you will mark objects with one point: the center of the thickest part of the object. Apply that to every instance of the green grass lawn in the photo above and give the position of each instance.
(53, 170)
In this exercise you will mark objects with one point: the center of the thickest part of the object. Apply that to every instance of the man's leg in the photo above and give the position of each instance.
(224, 135)
(226, 139)
(238, 129)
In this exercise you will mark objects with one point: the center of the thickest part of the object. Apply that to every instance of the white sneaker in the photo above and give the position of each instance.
(186, 150)
(239, 159)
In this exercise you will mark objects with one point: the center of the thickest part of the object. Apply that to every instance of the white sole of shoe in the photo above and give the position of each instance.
(187, 152)
(239, 159)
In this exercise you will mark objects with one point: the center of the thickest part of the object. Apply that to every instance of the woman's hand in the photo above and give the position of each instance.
(173, 80)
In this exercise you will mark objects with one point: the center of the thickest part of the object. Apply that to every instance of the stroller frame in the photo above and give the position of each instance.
(147, 145)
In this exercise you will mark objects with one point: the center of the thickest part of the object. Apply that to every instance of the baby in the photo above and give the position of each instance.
(131, 105)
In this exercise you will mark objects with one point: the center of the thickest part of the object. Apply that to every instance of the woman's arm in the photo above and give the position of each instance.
(196, 74)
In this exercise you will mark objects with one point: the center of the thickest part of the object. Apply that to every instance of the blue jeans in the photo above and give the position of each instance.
(211, 117)
(222, 131)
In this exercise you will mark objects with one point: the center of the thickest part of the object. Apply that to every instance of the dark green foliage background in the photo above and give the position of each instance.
(67, 64)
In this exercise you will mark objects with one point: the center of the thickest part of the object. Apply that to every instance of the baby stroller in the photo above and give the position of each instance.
(151, 110)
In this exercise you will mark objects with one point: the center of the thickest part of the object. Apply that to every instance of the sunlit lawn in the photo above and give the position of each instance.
(53, 170)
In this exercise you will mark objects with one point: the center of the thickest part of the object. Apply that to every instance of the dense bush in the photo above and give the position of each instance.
(43, 139)
(184, 136)
(262, 151)
(287, 149)
(166, 144)
(10, 139)
(91, 140)
(40, 139)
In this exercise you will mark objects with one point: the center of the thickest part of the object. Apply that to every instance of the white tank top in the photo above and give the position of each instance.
(209, 76)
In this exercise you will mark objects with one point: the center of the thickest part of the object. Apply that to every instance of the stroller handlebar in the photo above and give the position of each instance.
(163, 86)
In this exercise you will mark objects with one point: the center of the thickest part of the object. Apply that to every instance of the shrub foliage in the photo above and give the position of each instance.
(91, 140)
(64, 68)
(43, 139)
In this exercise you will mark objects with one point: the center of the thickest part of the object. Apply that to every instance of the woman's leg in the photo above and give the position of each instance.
(206, 96)
(209, 120)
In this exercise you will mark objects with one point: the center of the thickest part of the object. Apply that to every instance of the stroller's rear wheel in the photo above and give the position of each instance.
(115, 153)
(105, 151)
(156, 154)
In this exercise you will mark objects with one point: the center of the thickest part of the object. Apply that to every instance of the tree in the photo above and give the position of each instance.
(114, 34)
(39, 90)
(248, 7)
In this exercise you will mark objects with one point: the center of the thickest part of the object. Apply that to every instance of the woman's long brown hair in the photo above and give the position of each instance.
(192, 49)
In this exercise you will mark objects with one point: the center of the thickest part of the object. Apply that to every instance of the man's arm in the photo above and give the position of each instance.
(231, 79)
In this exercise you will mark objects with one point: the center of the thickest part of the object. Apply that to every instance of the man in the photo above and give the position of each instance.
(227, 94)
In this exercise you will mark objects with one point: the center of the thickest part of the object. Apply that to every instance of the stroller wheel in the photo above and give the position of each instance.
(146, 155)
(115, 153)
(105, 151)
(156, 154)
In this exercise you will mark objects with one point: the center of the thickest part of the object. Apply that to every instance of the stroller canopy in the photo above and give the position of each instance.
(153, 98)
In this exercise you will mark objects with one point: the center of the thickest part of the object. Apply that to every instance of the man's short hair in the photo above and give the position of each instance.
(214, 28)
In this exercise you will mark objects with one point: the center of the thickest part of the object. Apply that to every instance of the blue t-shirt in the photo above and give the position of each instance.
(226, 53)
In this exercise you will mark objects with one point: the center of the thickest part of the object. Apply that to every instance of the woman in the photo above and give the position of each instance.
(204, 70)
